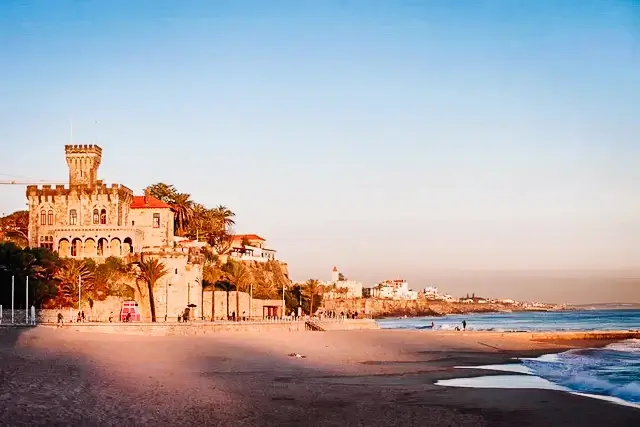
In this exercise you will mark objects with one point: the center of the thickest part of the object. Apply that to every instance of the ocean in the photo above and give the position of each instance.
(611, 372)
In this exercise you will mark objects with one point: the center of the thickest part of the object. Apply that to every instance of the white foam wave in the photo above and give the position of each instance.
(630, 346)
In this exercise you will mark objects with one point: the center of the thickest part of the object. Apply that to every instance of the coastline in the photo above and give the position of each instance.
(367, 377)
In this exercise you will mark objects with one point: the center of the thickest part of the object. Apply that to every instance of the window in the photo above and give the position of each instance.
(46, 242)
(50, 217)
(156, 220)
(74, 251)
(96, 216)
(43, 218)
(103, 216)
(73, 217)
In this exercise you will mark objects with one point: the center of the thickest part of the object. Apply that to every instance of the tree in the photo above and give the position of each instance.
(198, 225)
(183, 210)
(238, 276)
(311, 290)
(73, 276)
(219, 239)
(212, 274)
(223, 216)
(15, 228)
(39, 264)
(163, 192)
(151, 271)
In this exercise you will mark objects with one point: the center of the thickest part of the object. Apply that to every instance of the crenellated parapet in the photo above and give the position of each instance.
(98, 191)
(83, 149)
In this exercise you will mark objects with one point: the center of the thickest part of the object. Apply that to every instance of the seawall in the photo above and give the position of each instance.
(206, 328)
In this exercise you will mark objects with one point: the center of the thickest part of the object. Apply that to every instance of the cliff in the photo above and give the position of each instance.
(267, 278)
(388, 308)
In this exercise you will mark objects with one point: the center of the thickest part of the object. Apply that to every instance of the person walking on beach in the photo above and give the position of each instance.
(60, 320)
(464, 325)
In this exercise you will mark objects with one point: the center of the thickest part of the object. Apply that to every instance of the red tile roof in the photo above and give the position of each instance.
(248, 237)
(151, 203)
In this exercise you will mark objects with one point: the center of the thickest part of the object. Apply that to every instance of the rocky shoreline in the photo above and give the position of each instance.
(383, 308)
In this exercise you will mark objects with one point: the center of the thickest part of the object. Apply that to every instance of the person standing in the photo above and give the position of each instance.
(33, 314)
(464, 325)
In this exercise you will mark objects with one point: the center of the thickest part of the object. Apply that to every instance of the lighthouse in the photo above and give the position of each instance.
(335, 274)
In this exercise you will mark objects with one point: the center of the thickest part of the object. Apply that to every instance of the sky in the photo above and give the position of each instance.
(390, 138)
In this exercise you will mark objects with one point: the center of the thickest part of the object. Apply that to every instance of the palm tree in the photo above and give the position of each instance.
(211, 276)
(183, 209)
(311, 289)
(198, 224)
(151, 271)
(70, 274)
(223, 217)
(238, 275)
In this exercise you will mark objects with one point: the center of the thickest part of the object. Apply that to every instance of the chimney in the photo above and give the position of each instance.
(147, 195)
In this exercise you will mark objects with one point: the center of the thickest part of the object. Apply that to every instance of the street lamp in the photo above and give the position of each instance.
(166, 299)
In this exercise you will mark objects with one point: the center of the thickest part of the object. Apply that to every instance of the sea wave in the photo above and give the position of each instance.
(610, 371)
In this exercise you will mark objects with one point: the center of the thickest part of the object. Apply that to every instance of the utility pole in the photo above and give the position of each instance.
(12, 296)
(251, 301)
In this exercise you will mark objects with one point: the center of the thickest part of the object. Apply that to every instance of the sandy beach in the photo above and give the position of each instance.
(367, 378)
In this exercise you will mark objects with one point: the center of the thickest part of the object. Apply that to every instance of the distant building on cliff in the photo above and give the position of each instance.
(397, 289)
(251, 247)
(341, 287)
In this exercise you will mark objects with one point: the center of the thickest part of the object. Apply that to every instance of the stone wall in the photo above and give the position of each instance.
(181, 287)
(161, 236)
(248, 308)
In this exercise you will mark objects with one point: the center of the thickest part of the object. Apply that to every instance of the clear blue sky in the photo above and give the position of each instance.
(391, 138)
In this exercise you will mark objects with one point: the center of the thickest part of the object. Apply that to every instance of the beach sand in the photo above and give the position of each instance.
(349, 378)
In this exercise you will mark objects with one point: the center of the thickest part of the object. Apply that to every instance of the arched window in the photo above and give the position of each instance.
(50, 217)
(103, 216)
(96, 216)
(43, 217)
(73, 217)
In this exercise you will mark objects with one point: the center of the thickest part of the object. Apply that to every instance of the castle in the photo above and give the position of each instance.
(88, 219)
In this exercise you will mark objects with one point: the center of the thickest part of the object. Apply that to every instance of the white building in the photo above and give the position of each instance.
(341, 287)
(251, 247)
(431, 292)
(397, 289)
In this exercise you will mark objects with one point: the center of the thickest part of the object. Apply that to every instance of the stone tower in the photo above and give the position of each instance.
(83, 162)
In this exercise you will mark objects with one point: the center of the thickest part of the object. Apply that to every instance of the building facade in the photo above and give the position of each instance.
(89, 219)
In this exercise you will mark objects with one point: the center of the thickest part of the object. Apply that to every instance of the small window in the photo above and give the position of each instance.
(156, 220)
(50, 217)
(73, 217)
(96, 216)
(103, 216)
(43, 218)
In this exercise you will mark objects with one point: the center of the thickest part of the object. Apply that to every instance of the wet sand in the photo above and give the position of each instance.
(365, 378)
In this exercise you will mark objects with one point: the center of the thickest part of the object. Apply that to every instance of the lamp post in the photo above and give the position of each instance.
(283, 306)
(27, 300)
(250, 301)
(166, 299)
